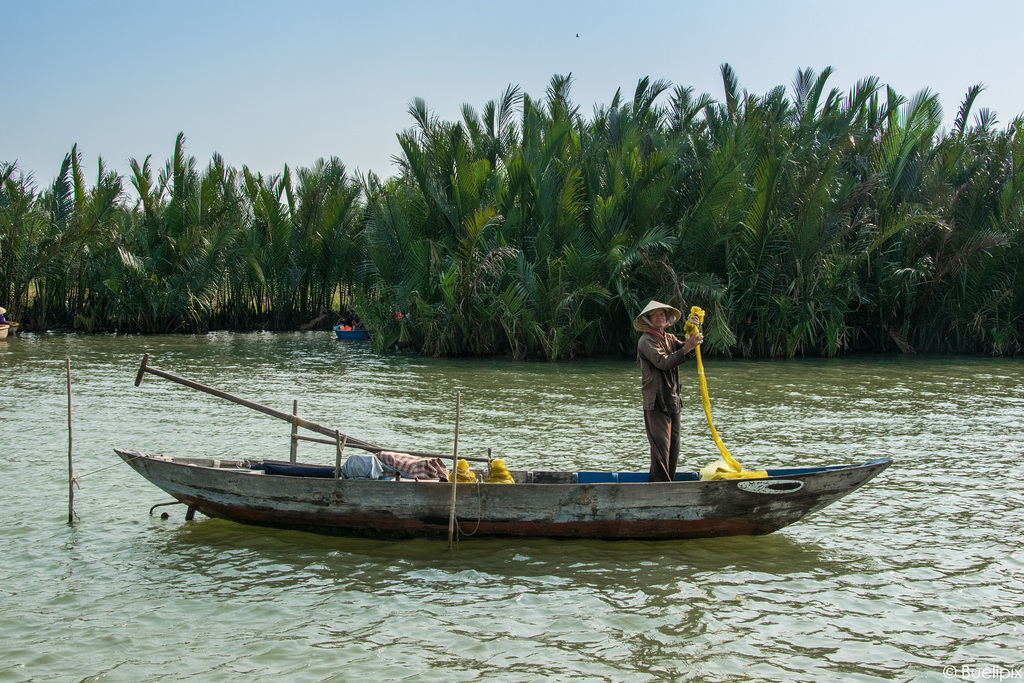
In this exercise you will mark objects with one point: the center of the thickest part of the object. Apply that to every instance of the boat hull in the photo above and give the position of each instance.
(352, 334)
(541, 505)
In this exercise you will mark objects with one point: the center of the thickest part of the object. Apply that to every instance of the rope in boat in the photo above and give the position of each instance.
(732, 468)
(479, 514)
(464, 475)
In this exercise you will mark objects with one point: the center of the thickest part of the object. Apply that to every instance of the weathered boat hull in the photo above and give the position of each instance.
(543, 504)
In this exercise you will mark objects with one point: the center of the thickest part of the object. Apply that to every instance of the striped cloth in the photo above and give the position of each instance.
(411, 467)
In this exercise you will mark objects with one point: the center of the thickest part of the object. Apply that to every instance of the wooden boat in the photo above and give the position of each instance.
(599, 505)
(605, 505)
(345, 332)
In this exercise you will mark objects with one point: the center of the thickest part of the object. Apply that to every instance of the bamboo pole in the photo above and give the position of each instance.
(341, 449)
(455, 468)
(71, 468)
(292, 419)
(295, 433)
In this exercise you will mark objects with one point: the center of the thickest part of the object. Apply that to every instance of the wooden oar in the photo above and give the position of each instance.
(287, 417)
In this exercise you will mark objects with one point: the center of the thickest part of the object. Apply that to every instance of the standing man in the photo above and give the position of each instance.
(660, 353)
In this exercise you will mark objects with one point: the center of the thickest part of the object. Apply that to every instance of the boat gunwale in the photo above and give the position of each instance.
(248, 466)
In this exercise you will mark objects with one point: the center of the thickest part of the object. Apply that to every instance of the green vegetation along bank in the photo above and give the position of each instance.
(807, 221)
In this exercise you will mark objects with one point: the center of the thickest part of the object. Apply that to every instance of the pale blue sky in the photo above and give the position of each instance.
(270, 83)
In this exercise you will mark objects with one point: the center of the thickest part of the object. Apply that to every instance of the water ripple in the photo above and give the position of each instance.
(921, 569)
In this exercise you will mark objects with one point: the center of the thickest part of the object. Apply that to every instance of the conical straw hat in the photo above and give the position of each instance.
(641, 323)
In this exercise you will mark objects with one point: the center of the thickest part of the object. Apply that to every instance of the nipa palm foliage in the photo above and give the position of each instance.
(807, 221)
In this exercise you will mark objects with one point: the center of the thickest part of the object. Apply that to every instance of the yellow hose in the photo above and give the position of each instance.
(732, 468)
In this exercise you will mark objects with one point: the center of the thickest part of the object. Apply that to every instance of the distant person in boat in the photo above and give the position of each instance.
(660, 353)
(350, 321)
(3, 320)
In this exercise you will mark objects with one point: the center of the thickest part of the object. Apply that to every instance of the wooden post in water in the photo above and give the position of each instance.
(71, 468)
(340, 443)
(455, 469)
(295, 432)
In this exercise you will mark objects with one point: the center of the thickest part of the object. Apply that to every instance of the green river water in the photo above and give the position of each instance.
(919, 575)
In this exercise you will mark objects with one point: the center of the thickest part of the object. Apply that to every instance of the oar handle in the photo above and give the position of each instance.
(287, 417)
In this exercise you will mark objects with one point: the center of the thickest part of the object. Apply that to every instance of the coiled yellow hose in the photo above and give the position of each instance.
(728, 467)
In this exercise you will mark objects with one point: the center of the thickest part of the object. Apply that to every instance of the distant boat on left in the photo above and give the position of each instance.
(346, 332)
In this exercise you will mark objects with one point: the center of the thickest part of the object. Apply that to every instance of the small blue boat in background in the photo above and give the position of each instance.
(346, 332)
